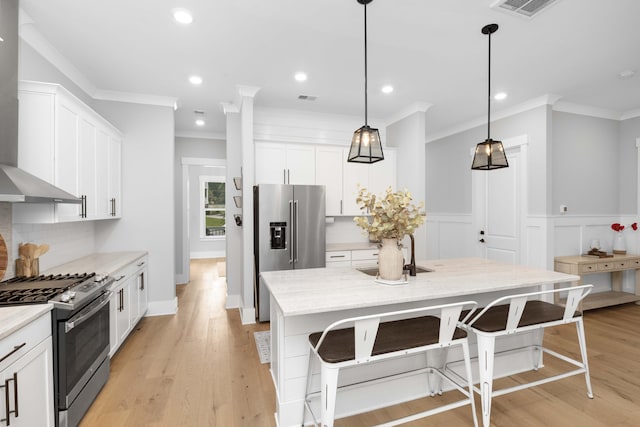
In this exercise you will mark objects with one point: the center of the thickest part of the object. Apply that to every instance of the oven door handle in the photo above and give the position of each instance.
(87, 312)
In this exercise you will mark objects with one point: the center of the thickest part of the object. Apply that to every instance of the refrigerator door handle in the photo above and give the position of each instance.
(291, 218)
(295, 209)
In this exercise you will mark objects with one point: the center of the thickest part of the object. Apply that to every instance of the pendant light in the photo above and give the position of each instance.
(366, 146)
(489, 154)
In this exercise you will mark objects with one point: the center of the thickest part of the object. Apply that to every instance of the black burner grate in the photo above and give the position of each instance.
(39, 289)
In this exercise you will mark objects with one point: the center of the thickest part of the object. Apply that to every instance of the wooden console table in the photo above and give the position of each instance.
(582, 265)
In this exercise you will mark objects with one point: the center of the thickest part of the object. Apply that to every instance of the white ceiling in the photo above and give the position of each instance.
(431, 52)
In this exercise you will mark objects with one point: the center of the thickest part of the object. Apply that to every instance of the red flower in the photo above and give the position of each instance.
(619, 227)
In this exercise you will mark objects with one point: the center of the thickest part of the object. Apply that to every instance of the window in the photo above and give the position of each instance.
(212, 202)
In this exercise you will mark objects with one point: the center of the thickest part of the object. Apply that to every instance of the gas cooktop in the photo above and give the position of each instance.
(42, 289)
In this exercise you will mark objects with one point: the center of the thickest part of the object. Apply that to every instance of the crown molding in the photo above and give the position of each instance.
(547, 99)
(30, 35)
(630, 114)
(247, 91)
(136, 98)
(586, 110)
(416, 107)
(229, 107)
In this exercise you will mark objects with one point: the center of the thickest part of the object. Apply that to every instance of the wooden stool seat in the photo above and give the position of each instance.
(396, 335)
(535, 312)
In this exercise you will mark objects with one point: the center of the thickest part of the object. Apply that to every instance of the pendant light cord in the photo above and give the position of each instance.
(489, 93)
(366, 123)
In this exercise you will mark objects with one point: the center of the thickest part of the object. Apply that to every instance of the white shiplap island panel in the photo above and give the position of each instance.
(305, 301)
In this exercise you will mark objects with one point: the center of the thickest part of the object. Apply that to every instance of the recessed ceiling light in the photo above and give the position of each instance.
(183, 16)
(195, 80)
(626, 74)
(200, 122)
(387, 89)
(500, 96)
(300, 76)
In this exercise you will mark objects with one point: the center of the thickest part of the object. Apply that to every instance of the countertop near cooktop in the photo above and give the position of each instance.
(16, 317)
(100, 263)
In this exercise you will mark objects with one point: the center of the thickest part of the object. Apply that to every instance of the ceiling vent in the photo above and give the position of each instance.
(526, 8)
(307, 97)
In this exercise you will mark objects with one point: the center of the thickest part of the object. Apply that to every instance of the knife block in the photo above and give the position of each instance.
(30, 270)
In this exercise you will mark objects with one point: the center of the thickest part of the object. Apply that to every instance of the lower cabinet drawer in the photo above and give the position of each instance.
(365, 254)
(338, 256)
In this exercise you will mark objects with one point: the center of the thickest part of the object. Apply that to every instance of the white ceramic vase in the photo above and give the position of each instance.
(390, 260)
(619, 244)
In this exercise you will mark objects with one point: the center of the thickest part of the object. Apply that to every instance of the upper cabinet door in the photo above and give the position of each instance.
(114, 172)
(354, 176)
(329, 162)
(382, 175)
(103, 205)
(301, 164)
(270, 163)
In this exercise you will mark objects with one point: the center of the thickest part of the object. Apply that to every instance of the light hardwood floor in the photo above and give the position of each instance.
(201, 368)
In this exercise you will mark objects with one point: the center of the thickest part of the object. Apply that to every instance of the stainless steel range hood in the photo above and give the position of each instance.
(17, 185)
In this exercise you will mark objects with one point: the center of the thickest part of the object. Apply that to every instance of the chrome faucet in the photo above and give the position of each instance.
(411, 267)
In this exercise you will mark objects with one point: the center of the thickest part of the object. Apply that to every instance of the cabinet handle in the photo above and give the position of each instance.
(7, 396)
(140, 264)
(336, 256)
(284, 176)
(120, 296)
(120, 278)
(141, 281)
(340, 206)
(15, 348)
(288, 176)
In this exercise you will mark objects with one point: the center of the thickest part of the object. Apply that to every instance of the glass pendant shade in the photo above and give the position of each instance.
(365, 146)
(489, 155)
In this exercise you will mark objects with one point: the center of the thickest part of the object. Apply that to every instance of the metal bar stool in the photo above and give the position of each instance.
(520, 313)
(365, 339)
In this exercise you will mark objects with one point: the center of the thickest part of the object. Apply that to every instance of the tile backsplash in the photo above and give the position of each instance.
(67, 241)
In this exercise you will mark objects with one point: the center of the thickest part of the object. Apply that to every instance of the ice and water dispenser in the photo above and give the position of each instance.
(278, 232)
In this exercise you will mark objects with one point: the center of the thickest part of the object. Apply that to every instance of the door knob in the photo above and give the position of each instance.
(481, 240)
(482, 232)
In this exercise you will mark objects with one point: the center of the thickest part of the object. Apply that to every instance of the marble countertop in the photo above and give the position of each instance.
(14, 318)
(354, 246)
(101, 263)
(321, 290)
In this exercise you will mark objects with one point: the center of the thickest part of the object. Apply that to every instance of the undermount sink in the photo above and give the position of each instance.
(373, 271)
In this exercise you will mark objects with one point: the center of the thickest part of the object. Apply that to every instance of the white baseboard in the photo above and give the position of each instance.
(181, 279)
(207, 254)
(248, 315)
(162, 308)
(233, 301)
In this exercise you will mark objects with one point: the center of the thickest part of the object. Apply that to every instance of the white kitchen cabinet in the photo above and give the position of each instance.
(354, 176)
(277, 163)
(356, 257)
(329, 162)
(374, 177)
(26, 369)
(128, 301)
(114, 176)
(69, 148)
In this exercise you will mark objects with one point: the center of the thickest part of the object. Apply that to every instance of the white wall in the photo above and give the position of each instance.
(147, 221)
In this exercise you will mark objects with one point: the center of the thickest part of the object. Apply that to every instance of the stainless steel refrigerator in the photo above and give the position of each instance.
(289, 233)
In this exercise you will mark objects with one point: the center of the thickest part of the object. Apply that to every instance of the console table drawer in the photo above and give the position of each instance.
(587, 268)
(608, 266)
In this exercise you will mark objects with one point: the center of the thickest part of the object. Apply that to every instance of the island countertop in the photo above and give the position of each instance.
(321, 290)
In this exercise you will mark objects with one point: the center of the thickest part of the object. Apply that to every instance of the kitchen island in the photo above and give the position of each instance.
(305, 301)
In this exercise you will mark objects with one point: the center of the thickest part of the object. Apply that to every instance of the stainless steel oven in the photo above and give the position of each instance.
(81, 346)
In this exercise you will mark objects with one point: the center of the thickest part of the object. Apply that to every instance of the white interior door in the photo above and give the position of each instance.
(500, 207)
